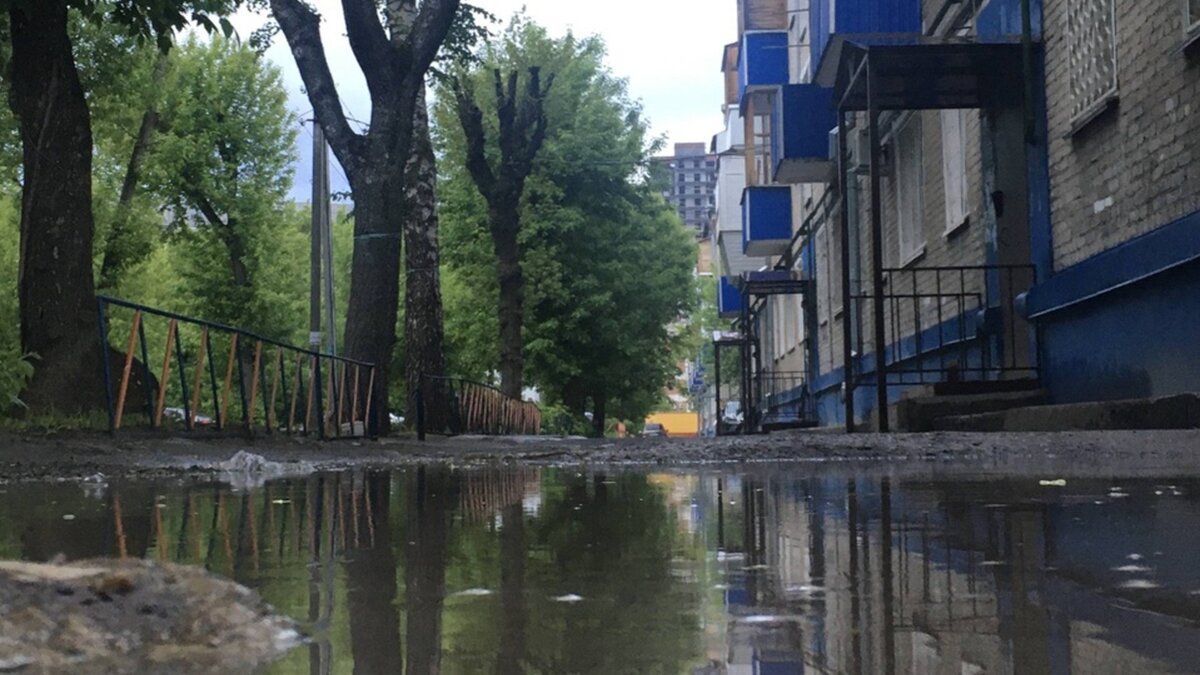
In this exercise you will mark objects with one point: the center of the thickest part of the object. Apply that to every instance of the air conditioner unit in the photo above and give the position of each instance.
(858, 151)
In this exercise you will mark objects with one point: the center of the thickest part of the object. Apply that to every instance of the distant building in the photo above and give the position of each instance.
(688, 180)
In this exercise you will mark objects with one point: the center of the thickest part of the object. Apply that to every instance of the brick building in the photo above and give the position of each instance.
(963, 190)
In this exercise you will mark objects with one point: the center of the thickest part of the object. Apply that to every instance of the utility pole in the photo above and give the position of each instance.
(320, 195)
(327, 239)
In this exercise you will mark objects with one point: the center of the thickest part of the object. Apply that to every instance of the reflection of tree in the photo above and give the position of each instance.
(431, 495)
(613, 545)
(512, 591)
(371, 585)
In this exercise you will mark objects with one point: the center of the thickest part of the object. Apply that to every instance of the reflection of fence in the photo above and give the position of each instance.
(275, 386)
(486, 493)
(948, 322)
(473, 408)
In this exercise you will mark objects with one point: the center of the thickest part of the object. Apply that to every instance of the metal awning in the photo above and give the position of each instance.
(919, 72)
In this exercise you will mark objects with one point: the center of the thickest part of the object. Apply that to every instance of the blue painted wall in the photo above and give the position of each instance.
(766, 219)
(762, 60)
(1003, 18)
(860, 16)
(1138, 340)
(801, 122)
(729, 299)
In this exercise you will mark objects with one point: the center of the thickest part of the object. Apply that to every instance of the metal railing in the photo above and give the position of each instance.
(783, 400)
(947, 323)
(472, 408)
(295, 390)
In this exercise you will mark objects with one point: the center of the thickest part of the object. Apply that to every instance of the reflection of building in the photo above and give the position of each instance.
(844, 576)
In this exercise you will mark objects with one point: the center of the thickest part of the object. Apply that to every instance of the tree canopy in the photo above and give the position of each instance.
(608, 265)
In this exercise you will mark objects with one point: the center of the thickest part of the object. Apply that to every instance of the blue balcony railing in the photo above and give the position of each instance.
(762, 60)
(800, 126)
(729, 299)
(829, 17)
(766, 220)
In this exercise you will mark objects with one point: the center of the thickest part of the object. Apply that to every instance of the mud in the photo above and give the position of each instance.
(133, 616)
(94, 457)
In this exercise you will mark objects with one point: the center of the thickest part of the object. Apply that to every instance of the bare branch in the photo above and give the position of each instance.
(428, 32)
(369, 42)
(302, 27)
(471, 118)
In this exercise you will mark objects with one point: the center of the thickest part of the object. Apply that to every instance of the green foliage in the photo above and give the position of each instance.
(222, 166)
(608, 266)
(147, 20)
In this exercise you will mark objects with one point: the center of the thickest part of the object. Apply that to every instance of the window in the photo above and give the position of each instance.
(954, 167)
(1092, 49)
(908, 181)
(1192, 16)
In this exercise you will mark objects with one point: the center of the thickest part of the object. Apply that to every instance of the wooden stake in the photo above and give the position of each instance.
(198, 380)
(166, 374)
(295, 395)
(254, 383)
(133, 333)
(233, 341)
(272, 421)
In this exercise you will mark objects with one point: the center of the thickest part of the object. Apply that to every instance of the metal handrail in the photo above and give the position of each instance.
(341, 389)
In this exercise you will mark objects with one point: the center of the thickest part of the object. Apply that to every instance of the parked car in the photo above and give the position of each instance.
(179, 415)
(654, 430)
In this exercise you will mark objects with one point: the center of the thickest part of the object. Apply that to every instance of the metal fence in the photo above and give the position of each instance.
(225, 378)
(783, 400)
(472, 408)
(945, 323)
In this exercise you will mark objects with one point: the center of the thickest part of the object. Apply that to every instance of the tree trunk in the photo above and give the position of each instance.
(423, 330)
(371, 589)
(56, 289)
(514, 612)
(375, 284)
(512, 298)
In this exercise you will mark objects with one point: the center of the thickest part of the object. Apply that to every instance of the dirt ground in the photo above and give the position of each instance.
(80, 456)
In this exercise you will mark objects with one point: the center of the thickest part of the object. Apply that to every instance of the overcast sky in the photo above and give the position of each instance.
(669, 50)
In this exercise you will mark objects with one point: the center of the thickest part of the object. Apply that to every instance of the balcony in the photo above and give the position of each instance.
(762, 61)
(829, 17)
(801, 120)
(766, 220)
(729, 299)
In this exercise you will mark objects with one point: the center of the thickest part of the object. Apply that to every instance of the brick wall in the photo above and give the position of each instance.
(1136, 167)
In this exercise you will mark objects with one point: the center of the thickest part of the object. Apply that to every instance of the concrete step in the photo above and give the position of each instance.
(971, 387)
(919, 414)
(1181, 411)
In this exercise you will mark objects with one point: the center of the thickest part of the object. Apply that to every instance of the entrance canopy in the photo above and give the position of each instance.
(918, 72)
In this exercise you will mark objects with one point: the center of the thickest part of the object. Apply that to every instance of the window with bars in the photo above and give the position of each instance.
(1092, 54)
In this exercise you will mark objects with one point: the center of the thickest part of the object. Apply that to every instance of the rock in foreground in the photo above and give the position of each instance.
(133, 616)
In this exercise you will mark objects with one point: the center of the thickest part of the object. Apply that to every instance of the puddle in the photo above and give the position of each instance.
(775, 569)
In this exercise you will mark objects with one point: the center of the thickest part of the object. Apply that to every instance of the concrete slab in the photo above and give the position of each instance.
(1181, 411)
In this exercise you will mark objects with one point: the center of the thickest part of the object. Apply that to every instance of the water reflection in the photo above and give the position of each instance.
(555, 571)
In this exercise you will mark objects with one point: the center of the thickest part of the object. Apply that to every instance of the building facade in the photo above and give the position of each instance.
(944, 190)
(688, 179)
